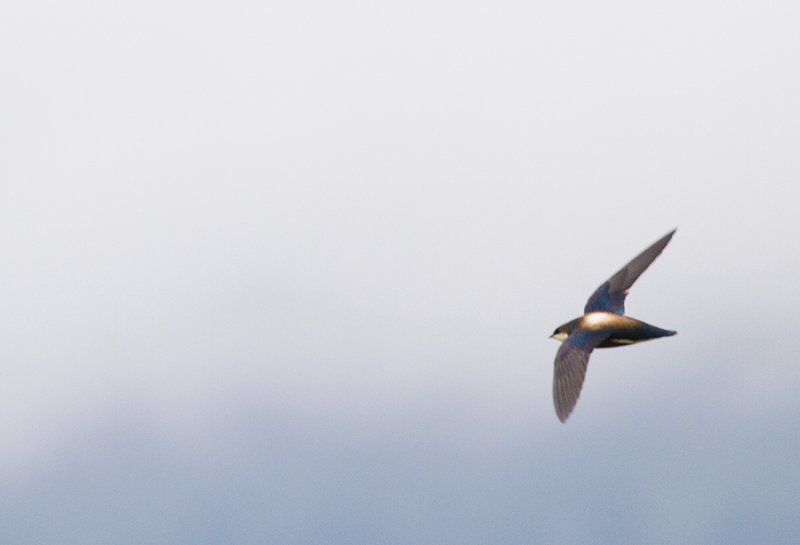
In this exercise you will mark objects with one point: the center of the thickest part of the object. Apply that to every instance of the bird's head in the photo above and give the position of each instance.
(563, 331)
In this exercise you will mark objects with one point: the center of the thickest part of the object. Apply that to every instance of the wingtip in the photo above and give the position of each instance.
(562, 410)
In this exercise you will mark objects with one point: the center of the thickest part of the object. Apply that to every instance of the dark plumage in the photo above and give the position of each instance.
(603, 325)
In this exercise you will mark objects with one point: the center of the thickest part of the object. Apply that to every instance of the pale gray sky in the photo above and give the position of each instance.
(284, 272)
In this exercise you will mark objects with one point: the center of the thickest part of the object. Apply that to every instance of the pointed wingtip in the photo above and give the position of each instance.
(563, 408)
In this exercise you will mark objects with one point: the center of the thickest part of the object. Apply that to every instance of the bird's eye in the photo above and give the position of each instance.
(557, 331)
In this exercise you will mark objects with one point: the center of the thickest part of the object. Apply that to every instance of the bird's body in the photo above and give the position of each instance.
(603, 325)
(622, 330)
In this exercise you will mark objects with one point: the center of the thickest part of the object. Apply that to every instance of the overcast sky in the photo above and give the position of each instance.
(284, 272)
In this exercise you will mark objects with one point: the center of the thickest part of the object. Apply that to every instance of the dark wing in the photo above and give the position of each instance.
(611, 295)
(570, 369)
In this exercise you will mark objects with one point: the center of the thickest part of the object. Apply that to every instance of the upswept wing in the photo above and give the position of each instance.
(570, 369)
(610, 296)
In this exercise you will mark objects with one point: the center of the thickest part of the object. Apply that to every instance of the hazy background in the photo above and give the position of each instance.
(284, 272)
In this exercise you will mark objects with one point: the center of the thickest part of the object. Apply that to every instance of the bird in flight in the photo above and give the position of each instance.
(603, 325)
